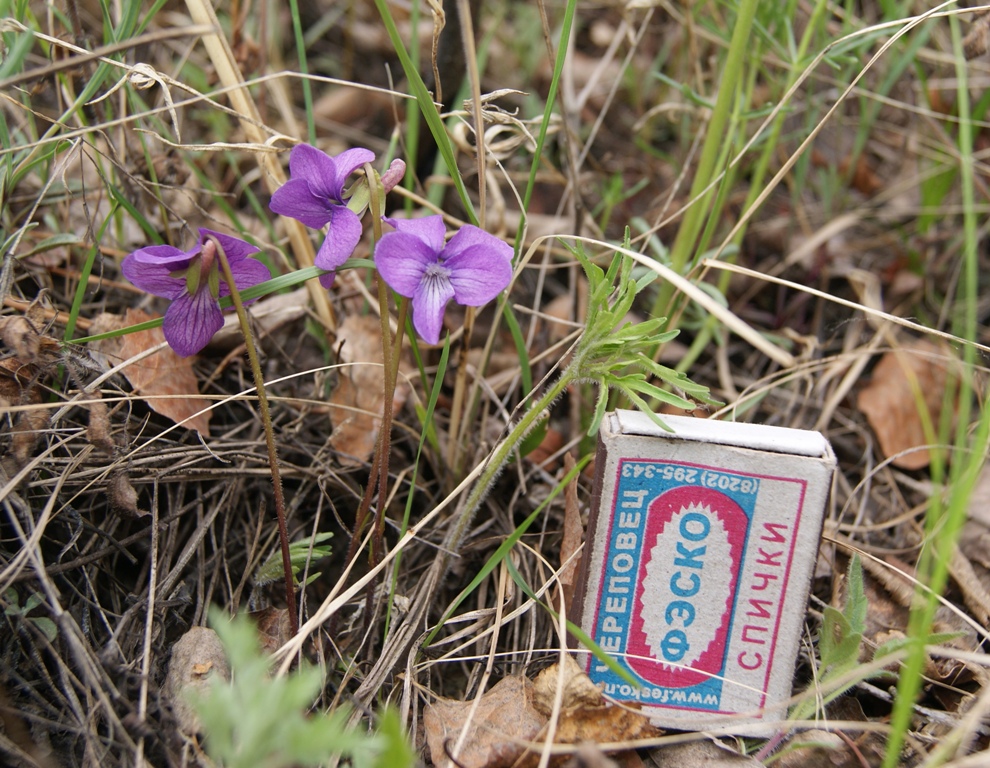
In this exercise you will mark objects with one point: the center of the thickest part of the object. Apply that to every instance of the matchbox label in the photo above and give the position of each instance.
(696, 565)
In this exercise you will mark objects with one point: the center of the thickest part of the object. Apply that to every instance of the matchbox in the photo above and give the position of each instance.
(700, 549)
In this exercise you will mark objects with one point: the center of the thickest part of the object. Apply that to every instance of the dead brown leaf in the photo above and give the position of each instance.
(505, 715)
(974, 543)
(573, 535)
(165, 380)
(864, 179)
(558, 313)
(890, 401)
(25, 336)
(98, 431)
(602, 724)
(357, 402)
(579, 691)
(552, 442)
(975, 594)
(584, 715)
(123, 497)
(274, 628)
(20, 334)
(196, 657)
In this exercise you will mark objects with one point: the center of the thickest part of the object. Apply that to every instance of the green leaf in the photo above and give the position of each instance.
(47, 627)
(300, 552)
(396, 751)
(14, 607)
(842, 632)
(835, 629)
(261, 720)
(856, 602)
(55, 241)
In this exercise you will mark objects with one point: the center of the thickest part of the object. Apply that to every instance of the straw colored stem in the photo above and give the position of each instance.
(230, 75)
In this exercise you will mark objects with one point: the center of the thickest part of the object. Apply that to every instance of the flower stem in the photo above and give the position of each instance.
(454, 453)
(537, 412)
(391, 351)
(266, 420)
(385, 437)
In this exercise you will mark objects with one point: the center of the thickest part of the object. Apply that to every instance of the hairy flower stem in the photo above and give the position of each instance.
(501, 455)
(266, 420)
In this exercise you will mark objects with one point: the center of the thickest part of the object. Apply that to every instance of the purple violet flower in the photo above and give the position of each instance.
(194, 283)
(315, 196)
(473, 268)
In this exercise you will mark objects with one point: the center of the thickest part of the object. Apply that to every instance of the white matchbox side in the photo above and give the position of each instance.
(700, 549)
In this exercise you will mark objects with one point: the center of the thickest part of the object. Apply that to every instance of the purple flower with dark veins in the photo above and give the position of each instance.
(314, 195)
(472, 269)
(194, 283)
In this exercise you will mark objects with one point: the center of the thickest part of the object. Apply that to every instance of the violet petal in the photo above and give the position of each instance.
(429, 302)
(346, 163)
(234, 248)
(401, 259)
(191, 321)
(316, 168)
(341, 240)
(470, 236)
(324, 174)
(296, 200)
(429, 229)
(247, 274)
(478, 274)
(151, 268)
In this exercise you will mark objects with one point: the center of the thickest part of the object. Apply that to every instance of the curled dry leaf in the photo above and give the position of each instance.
(579, 691)
(815, 749)
(165, 380)
(98, 430)
(356, 405)
(552, 442)
(35, 357)
(584, 716)
(974, 544)
(505, 716)
(123, 497)
(196, 657)
(601, 725)
(914, 375)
